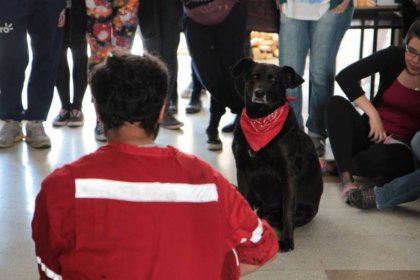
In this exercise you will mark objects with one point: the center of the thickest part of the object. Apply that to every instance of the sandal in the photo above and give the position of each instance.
(347, 188)
(328, 168)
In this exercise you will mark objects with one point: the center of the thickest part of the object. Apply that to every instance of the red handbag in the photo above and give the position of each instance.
(212, 13)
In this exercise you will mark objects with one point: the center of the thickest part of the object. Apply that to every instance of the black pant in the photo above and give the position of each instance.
(354, 152)
(80, 59)
(160, 27)
(215, 50)
(39, 18)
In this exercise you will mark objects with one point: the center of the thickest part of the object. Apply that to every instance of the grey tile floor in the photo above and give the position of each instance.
(340, 239)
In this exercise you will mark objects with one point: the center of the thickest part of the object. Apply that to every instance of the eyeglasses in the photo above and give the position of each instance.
(412, 52)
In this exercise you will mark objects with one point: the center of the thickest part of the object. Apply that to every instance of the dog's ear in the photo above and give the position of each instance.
(292, 79)
(244, 65)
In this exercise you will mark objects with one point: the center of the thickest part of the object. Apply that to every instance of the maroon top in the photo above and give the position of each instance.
(400, 111)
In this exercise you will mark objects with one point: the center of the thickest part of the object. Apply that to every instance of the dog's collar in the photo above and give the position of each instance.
(260, 131)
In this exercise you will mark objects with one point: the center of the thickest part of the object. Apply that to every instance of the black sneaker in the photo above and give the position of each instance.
(62, 118)
(173, 107)
(363, 198)
(231, 127)
(213, 141)
(76, 118)
(194, 106)
(170, 122)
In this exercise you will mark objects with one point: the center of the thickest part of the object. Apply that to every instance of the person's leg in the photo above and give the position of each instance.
(383, 160)
(230, 41)
(124, 23)
(62, 84)
(80, 61)
(46, 40)
(415, 146)
(400, 190)
(13, 61)
(14, 58)
(325, 35)
(294, 44)
(348, 132)
(63, 76)
(160, 27)
(161, 34)
(99, 30)
(194, 105)
(80, 58)
(214, 58)
(45, 26)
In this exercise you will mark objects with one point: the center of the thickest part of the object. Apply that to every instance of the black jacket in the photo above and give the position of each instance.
(389, 63)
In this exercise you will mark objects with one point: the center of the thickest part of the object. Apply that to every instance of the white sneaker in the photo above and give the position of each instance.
(100, 132)
(10, 133)
(186, 93)
(76, 118)
(36, 136)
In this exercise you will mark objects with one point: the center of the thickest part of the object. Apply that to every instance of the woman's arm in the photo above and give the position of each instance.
(385, 60)
(377, 132)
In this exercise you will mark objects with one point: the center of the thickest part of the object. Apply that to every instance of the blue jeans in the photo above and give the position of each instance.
(321, 39)
(415, 146)
(403, 189)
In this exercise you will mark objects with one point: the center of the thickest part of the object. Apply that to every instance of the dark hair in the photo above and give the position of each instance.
(413, 31)
(129, 88)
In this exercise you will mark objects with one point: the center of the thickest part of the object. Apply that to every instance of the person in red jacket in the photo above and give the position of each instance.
(137, 210)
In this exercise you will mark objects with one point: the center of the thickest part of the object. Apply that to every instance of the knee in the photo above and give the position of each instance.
(415, 145)
(334, 106)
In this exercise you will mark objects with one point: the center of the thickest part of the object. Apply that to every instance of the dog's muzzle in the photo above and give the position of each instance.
(259, 96)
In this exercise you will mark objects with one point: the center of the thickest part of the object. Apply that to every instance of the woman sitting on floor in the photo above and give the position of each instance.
(377, 143)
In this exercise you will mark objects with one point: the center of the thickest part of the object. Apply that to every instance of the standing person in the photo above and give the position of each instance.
(160, 27)
(315, 28)
(377, 143)
(41, 20)
(137, 210)
(111, 25)
(74, 38)
(215, 46)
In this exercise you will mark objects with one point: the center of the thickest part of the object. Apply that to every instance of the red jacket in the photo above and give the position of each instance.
(127, 212)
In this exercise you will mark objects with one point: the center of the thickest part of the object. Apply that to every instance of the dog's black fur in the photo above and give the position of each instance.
(283, 180)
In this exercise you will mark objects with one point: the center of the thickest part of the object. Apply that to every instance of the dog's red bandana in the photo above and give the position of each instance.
(260, 131)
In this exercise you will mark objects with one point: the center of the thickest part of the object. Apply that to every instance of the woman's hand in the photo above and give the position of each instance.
(341, 8)
(377, 132)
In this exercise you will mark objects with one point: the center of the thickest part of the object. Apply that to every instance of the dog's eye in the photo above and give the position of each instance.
(255, 76)
(273, 79)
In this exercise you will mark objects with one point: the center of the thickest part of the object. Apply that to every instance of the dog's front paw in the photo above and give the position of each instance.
(286, 245)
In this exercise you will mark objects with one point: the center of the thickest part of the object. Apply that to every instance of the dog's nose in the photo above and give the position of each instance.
(259, 93)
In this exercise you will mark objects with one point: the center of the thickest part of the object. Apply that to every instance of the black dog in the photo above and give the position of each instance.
(278, 169)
